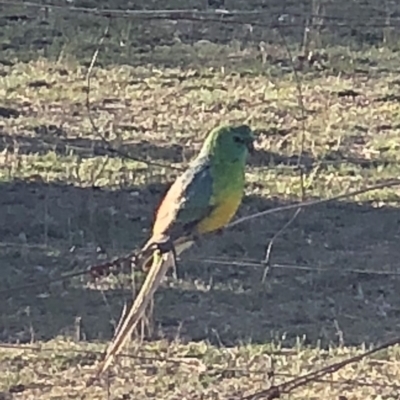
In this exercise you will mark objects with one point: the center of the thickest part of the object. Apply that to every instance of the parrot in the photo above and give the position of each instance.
(203, 199)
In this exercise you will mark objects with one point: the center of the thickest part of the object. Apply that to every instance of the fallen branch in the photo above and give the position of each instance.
(275, 391)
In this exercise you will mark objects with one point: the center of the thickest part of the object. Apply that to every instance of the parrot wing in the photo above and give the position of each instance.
(188, 201)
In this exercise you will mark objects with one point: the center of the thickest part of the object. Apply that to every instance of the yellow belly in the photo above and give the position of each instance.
(221, 215)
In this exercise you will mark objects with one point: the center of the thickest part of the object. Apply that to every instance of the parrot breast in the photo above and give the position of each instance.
(228, 187)
(221, 214)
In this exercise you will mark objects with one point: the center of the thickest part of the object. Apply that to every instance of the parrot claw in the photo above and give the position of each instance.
(167, 247)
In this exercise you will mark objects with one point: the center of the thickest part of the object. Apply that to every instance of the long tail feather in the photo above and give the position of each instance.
(157, 271)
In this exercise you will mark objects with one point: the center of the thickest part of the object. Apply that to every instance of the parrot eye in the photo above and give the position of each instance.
(238, 140)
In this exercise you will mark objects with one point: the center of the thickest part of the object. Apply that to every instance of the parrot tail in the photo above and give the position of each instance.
(161, 264)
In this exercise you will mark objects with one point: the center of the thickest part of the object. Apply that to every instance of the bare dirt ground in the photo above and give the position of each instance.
(158, 87)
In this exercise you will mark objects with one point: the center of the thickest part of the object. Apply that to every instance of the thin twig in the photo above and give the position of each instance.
(95, 271)
(267, 258)
(310, 203)
(275, 392)
(41, 349)
(89, 76)
(194, 14)
(250, 263)
(107, 146)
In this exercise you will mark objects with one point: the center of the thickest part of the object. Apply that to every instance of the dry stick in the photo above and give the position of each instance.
(107, 146)
(206, 16)
(267, 258)
(174, 360)
(254, 263)
(275, 392)
(95, 271)
(89, 74)
(140, 13)
(309, 203)
(191, 14)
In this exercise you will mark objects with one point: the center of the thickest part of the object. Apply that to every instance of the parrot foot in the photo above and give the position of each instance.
(167, 247)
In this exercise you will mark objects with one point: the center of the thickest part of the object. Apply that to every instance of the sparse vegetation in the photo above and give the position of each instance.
(158, 87)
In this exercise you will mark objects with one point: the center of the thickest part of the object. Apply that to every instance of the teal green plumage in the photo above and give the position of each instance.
(208, 194)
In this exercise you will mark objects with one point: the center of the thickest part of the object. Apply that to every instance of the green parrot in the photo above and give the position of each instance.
(203, 199)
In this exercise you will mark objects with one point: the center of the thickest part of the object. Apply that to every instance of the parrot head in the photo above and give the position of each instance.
(229, 143)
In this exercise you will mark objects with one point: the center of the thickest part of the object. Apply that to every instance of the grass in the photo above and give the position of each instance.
(203, 371)
(67, 203)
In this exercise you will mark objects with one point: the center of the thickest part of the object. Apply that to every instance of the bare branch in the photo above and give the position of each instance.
(275, 392)
(254, 263)
(299, 160)
(96, 130)
(267, 259)
(310, 203)
(210, 15)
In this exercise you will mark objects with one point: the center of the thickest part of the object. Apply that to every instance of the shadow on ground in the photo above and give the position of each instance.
(53, 138)
(50, 137)
(48, 229)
